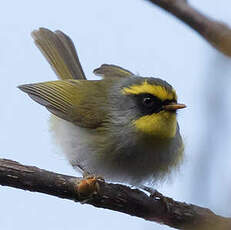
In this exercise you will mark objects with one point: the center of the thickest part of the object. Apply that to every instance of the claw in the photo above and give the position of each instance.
(157, 195)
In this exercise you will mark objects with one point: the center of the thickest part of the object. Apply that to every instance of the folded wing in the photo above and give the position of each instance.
(78, 101)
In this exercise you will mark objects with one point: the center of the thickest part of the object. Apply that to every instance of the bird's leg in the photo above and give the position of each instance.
(87, 175)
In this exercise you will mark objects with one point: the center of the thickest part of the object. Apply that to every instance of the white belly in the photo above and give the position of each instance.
(75, 143)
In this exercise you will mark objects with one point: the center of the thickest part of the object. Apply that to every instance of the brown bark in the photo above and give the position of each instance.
(116, 197)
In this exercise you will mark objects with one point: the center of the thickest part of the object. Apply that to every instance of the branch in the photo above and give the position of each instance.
(111, 196)
(216, 33)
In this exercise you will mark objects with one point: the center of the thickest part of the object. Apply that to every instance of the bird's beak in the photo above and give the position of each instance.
(173, 107)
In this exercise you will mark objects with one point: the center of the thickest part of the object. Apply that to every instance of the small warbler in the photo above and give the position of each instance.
(122, 127)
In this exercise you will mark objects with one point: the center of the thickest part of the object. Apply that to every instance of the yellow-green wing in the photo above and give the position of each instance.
(60, 52)
(78, 101)
(107, 70)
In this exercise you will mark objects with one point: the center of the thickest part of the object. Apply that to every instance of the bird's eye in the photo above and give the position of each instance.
(148, 102)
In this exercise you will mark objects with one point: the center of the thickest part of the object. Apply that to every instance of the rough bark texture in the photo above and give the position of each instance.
(111, 196)
(216, 33)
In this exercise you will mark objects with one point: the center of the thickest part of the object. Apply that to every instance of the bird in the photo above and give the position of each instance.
(122, 127)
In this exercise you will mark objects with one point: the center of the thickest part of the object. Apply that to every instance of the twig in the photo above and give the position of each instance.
(111, 196)
(216, 33)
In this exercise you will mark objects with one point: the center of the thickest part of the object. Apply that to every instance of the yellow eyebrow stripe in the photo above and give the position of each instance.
(156, 90)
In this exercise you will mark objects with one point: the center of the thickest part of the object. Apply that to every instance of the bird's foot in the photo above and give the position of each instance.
(157, 195)
(88, 187)
(153, 192)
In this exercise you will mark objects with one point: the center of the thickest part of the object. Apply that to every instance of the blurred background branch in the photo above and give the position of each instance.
(111, 196)
(216, 33)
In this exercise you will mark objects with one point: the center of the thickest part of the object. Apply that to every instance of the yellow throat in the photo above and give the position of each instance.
(162, 124)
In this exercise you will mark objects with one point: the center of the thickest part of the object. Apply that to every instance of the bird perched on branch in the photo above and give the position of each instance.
(122, 127)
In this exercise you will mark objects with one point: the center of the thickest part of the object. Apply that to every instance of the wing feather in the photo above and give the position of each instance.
(107, 71)
(78, 101)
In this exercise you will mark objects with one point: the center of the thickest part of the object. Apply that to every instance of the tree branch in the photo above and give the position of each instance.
(111, 196)
(216, 33)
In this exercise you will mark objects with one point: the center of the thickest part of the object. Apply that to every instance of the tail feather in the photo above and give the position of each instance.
(60, 52)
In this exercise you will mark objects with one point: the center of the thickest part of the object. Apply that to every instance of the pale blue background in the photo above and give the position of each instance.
(145, 40)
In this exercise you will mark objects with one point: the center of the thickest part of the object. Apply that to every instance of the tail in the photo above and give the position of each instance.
(60, 52)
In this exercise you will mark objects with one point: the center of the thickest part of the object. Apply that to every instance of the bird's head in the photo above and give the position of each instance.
(150, 104)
